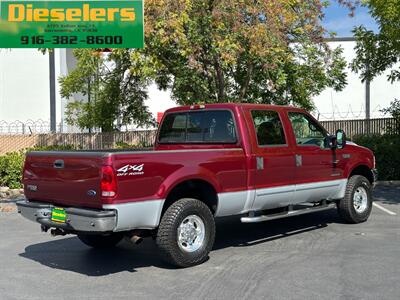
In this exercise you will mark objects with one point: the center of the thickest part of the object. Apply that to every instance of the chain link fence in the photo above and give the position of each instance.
(80, 141)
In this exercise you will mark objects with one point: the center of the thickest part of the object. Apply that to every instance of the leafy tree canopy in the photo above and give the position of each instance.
(239, 51)
(209, 51)
(116, 95)
(378, 52)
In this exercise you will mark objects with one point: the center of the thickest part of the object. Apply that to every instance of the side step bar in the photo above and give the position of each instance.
(290, 213)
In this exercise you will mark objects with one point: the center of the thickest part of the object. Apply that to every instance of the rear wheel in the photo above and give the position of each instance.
(356, 205)
(186, 233)
(101, 241)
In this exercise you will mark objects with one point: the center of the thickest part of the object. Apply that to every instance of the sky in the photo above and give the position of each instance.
(337, 19)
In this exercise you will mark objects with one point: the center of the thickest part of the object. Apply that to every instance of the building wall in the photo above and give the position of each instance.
(24, 85)
(350, 103)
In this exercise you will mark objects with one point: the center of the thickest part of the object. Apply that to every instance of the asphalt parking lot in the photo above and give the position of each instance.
(312, 256)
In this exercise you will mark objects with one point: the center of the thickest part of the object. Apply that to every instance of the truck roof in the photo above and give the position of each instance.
(231, 106)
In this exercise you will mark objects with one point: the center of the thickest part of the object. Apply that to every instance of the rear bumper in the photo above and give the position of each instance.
(78, 220)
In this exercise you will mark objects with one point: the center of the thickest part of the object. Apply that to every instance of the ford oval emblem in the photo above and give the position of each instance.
(91, 193)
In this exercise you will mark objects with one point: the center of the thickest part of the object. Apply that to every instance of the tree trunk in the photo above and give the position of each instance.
(245, 86)
(220, 81)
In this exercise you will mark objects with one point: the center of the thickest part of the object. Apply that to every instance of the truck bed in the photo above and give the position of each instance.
(73, 178)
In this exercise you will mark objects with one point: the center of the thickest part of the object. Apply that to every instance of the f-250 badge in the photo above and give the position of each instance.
(131, 170)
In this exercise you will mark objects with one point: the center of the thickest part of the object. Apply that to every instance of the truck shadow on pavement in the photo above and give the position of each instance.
(232, 233)
(71, 255)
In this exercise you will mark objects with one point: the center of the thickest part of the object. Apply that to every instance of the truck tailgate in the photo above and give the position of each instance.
(64, 178)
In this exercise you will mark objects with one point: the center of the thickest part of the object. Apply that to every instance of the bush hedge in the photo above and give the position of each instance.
(11, 169)
(387, 153)
(12, 163)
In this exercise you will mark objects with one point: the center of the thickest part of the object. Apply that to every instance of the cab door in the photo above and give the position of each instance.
(318, 175)
(274, 158)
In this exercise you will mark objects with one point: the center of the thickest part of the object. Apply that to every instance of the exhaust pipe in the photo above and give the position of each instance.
(136, 239)
(136, 236)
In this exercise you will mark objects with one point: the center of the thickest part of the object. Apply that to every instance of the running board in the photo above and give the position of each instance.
(290, 213)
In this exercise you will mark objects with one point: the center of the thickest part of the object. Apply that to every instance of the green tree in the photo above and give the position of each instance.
(114, 95)
(379, 52)
(239, 51)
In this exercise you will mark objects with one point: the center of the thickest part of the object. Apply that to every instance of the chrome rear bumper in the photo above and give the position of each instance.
(77, 219)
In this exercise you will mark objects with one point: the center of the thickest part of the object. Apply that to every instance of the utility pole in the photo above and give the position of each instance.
(368, 98)
(52, 74)
(367, 101)
(89, 99)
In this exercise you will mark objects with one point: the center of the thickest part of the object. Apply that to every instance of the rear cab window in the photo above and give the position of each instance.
(209, 126)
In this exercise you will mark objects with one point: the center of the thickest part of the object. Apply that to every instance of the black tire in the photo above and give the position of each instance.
(346, 206)
(167, 235)
(101, 241)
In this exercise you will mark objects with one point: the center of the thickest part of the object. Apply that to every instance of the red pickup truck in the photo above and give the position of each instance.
(259, 161)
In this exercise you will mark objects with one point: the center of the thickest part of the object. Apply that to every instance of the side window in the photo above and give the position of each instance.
(306, 130)
(268, 127)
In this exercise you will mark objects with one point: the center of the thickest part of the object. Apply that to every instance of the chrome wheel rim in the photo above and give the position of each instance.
(360, 199)
(191, 233)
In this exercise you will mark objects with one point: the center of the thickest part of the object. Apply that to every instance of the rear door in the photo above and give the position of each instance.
(274, 159)
(317, 173)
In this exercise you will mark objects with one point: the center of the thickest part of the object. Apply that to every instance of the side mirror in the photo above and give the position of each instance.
(340, 139)
(329, 142)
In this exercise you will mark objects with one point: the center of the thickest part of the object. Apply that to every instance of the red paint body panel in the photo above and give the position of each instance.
(227, 167)
(66, 186)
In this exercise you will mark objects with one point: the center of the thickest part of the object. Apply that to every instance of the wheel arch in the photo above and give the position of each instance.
(362, 170)
(196, 188)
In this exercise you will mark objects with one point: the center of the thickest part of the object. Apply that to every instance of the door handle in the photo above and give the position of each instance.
(299, 160)
(58, 164)
(260, 163)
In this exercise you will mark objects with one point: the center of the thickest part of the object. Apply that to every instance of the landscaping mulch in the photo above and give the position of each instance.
(8, 198)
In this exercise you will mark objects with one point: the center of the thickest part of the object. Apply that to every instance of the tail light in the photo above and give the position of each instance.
(108, 182)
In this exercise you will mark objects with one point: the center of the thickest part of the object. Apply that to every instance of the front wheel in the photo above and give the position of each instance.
(101, 241)
(356, 205)
(186, 233)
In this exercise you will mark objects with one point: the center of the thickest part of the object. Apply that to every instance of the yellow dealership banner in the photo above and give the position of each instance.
(71, 24)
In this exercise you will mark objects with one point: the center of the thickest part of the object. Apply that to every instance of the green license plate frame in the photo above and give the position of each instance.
(58, 215)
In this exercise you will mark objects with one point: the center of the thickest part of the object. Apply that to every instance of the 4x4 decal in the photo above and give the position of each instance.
(131, 170)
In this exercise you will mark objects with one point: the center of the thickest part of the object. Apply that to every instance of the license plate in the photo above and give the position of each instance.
(58, 215)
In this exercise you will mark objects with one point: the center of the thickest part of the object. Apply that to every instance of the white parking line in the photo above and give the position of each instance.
(384, 209)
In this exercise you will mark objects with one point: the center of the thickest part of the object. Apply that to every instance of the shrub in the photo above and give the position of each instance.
(11, 166)
(386, 149)
(12, 163)
(124, 145)
(53, 148)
